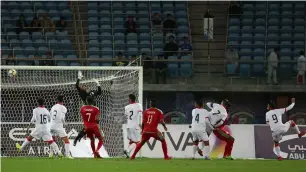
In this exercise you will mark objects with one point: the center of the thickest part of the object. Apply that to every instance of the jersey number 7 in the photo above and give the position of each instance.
(88, 114)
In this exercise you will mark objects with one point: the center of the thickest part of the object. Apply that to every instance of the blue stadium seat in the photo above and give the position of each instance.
(299, 37)
(50, 35)
(29, 51)
(14, 42)
(37, 35)
(258, 51)
(93, 36)
(186, 70)
(93, 51)
(173, 70)
(53, 44)
(285, 52)
(71, 56)
(17, 50)
(106, 43)
(39, 42)
(231, 69)
(75, 64)
(11, 35)
(42, 50)
(285, 68)
(93, 21)
(27, 43)
(58, 57)
(93, 64)
(92, 5)
(244, 70)
(61, 63)
(93, 56)
(107, 51)
(258, 69)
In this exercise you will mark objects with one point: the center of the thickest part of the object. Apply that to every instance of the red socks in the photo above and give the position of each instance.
(165, 149)
(92, 144)
(138, 147)
(100, 143)
(228, 147)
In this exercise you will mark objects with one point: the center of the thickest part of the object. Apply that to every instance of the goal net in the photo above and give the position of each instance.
(19, 95)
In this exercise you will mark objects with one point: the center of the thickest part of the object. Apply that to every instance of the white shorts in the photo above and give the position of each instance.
(199, 136)
(58, 131)
(133, 134)
(43, 134)
(278, 134)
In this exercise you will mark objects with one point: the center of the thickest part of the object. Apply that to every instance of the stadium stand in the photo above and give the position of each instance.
(263, 26)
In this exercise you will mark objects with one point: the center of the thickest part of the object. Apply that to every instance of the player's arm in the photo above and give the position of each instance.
(267, 119)
(211, 105)
(162, 122)
(64, 116)
(99, 90)
(221, 121)
(139, 116)
(33, 120)
(290, 106)
(98, 117)
(77, 85)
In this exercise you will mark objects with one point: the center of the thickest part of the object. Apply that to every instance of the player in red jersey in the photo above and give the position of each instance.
(91, 118)
(151, 118)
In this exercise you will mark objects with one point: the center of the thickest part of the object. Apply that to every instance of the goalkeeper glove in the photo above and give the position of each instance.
(80, 75)
(96, 81)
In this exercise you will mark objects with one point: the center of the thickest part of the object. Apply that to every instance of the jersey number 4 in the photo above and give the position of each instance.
(274, 117)
(43, 119)
(197, 118)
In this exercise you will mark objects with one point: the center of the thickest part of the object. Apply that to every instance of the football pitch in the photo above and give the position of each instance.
(148, 165)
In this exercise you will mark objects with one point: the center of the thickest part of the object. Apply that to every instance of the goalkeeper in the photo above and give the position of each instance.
(84, 92)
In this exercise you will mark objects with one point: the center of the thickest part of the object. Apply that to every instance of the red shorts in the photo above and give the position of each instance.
(146, 136)
(92, 131)
(222, 134)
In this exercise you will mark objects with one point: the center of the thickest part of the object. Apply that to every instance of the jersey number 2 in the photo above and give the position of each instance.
(274, 117)
(43, 119)
(197, 118)
(131, 114)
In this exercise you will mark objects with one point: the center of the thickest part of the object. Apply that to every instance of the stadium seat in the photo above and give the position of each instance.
(173, 70)
(185, 70)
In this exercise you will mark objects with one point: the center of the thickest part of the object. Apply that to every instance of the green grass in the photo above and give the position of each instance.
(148, 165)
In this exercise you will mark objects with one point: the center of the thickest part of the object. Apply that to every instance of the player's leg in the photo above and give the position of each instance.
(133, 137)
(98, 135)
(277, 136)
(195, 144)
(63, 135)
(81, 134)
(47, 137)
(25, 143)
(144, 138)
(224, 136)
(292, 124)
(205, 143)
(160, 137)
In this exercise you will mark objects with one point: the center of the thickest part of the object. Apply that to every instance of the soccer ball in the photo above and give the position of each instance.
(12, 73)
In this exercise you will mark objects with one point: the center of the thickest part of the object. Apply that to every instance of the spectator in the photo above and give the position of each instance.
(156, 23)
(21, 24)
(120, 61)
(37, 61)
(231, 55)
(35, 25)
(61, 25)
(235, 9)
(272, 66)
(169, 24)
(186, 48)
(170, 48)
(10, 61)
(130, 25)
(134, 61)
(161, 70)
(48, 61)
(47, 23)
(301, 68)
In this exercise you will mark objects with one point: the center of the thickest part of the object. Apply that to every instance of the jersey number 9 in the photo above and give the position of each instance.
(274, 117)
(197, 118)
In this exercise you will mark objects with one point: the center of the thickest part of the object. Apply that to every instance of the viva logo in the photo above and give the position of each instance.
(218, 145)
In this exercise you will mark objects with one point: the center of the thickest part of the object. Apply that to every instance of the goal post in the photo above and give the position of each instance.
(19, 95)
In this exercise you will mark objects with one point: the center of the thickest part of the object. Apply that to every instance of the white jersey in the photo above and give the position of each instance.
(41, 118)
(133, 113)
(58, 113)
(274, 118)
(217, 115)
(198, 119)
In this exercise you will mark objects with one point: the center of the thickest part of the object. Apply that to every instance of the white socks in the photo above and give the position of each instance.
(277, 150)
(195, 149)
(296, 128)
(55, 148)
(67, 149)
(26, 142)
(130, 148)
(206, 151)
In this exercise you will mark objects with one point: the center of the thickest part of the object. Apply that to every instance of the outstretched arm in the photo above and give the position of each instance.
(99, 91)
(77, 85)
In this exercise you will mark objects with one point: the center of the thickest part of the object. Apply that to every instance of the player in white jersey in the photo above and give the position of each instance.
(274, 120)
(41, 119)
(218, 118)
(133, 112)
(198, 130)
(58, 113)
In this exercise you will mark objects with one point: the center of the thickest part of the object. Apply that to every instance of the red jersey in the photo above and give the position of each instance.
(151, 118)
(89, 114)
